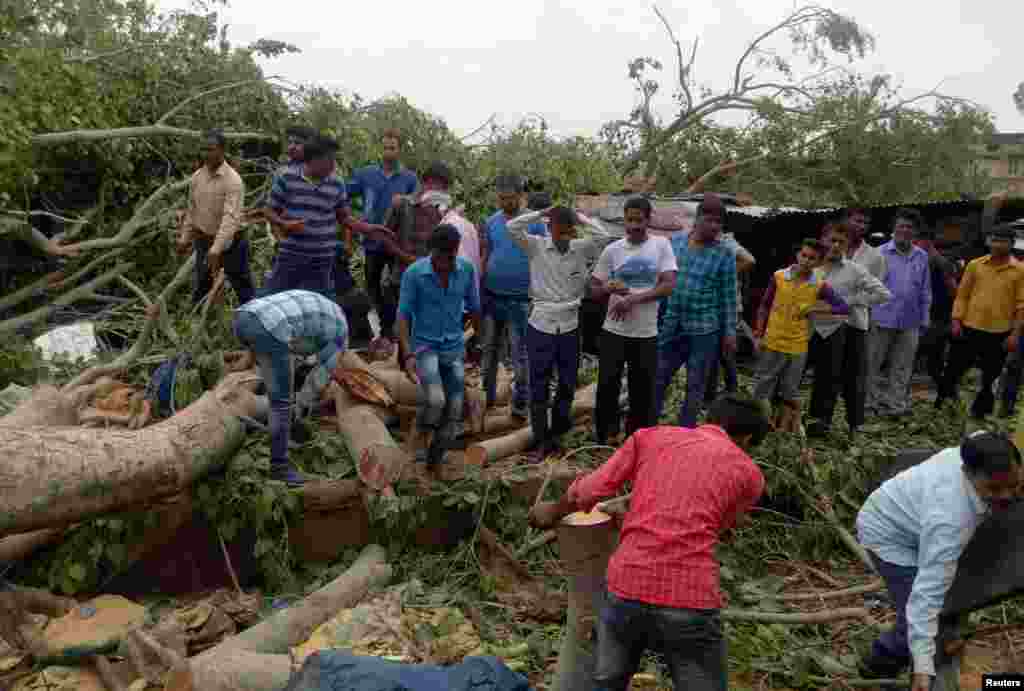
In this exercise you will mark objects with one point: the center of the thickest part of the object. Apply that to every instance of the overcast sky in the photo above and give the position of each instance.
(566, 59)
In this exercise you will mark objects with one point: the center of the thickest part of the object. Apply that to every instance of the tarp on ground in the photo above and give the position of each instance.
(339, 670)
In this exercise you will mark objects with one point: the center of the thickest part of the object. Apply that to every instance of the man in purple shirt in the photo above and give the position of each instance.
(899, 322)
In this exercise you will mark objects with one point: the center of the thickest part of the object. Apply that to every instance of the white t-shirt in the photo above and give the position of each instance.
(638, 266)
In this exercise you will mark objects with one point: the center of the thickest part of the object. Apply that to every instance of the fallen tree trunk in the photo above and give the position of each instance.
(252, 660)
(17, 547)
(495, 449)
(585, 543)
(378, 457)
(53, 477)
(406, 394)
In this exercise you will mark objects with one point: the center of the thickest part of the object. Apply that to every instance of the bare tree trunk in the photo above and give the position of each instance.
(52, 477)
(379, 459)
(585, 543)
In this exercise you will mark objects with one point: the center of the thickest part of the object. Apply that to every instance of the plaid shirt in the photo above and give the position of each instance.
(688, 486)
(704, 299)
(307, 323)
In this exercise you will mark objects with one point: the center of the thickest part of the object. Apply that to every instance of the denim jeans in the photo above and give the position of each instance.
(295, 272)
(442, 388)
(899, 581)
(547, 353)
(501, 312)
(274, 361)
(697, 353)
(236, 268)
(383, 296)
(724, 363)
(690, 640)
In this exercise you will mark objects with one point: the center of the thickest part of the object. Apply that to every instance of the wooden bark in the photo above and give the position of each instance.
(17, 547)
(236, 670)
(378, 457)
(52, 477)
(406, 394)
(584, 552)
(491, 450)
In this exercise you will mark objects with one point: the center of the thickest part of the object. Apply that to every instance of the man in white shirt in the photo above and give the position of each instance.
(916, 526)
(558, 280)
(632, 274)
(859, 251)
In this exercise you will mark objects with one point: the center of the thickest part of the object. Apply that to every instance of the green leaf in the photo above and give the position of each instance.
(77, 572)
(471, 497)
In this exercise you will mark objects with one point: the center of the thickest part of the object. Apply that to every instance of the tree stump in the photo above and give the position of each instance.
(585, 543)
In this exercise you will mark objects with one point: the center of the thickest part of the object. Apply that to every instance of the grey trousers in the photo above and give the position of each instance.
(778, 372)
(891, 355)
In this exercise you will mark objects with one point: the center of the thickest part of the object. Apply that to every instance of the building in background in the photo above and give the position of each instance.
(1002, 157)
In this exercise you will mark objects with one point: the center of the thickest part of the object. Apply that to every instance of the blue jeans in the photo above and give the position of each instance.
(697, 353)
(548, 352)
(501, 312)
(236, 268)
(274, 360)
(728, 364)
(899, 581)
(690, 640)
(295, 272)
(442, 388)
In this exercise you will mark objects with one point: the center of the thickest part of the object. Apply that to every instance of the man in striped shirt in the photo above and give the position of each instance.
(307, 205)
(276, 327)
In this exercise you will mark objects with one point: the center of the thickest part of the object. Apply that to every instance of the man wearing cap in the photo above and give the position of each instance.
(700, 318)
(436, 291)
(988, 318)
(899, 322)
(211, 224)
(273, 328)
(381, 187)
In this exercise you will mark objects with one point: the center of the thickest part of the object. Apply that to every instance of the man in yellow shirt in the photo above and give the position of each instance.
(211, 224)
(988, 316)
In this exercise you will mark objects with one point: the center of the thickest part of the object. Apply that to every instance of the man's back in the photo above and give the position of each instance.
(689, 485)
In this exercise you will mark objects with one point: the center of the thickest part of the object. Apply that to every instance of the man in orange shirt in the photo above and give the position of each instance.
(690, 485)
(988, 318)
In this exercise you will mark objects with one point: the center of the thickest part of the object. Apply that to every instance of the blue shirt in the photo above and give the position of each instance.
(435, 313)
(508, 267)
(307, 323)
(317, 203)
(704, 299)
(909, 278)
(924, 517)
(376, 188)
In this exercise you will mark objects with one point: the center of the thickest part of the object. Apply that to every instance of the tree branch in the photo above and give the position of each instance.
(10, 326)
(684, 67)
(80, 136)
(86, 59)
(141, 344)
(872, 587)
(822, 617)
(203, 94)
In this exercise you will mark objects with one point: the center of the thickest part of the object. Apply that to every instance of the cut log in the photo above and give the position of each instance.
(585, 543)
(491, 450)
(53, 477)
(334, 518)
(17, 547)
(379, 460)
(406, 394)
(236, 670)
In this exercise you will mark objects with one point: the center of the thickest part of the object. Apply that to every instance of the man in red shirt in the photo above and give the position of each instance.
(689, 486)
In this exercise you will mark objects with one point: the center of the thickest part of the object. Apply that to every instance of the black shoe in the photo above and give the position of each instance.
(881, 667)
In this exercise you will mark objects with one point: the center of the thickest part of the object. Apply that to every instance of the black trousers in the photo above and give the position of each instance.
(236, 268)
(383, 299)
(641, 357)
(975, 348)
(932, 349)
(840, 367)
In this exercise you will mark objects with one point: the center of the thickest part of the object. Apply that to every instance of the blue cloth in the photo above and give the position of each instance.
(442, 387)
(297, 197)
(697, 352)
(508, 267)
(377, 189)
(549, 353)
(899, 581)
(501, 312)
(435, 313)
(704, 298)
(339, 670)
(275, 368)
(924, 517)
(306, 323)
(690, 641)
(298, 272)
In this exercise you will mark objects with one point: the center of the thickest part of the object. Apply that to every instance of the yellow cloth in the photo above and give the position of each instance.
(990, 295)
(787, 330)
(215, 205)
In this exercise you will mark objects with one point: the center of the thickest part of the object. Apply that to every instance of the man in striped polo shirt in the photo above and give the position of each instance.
(307, 204)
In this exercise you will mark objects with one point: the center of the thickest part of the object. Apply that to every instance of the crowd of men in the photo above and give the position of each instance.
(854, 315)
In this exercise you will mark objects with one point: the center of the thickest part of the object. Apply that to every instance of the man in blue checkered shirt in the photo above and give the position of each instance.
(700, 316)
(274, 328)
